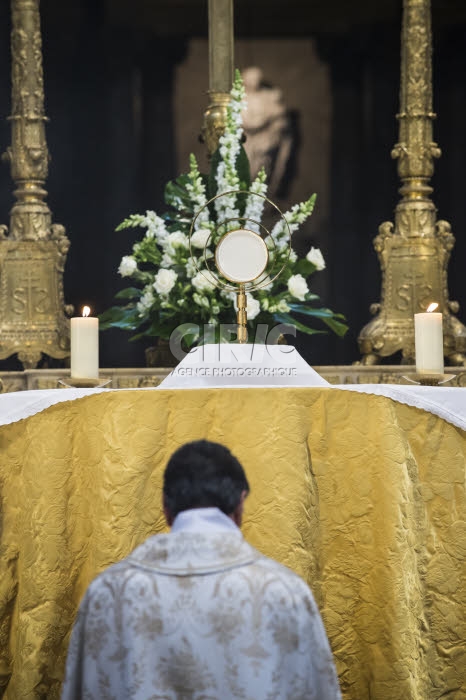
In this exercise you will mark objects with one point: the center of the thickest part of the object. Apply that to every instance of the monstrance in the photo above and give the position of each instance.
(244, 254)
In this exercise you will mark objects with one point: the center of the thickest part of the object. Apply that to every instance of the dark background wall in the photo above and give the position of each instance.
(125, 90)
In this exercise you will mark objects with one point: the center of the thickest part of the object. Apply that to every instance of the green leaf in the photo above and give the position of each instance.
(126, 318)
(336, 326)
(328, 317)
(128, 293)
(211, 181)
(177, 196)
(310, 311)
(243, 169)
(291, 321)
(304, 267)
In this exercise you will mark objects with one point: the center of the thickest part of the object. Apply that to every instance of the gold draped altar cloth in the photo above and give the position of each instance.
(362, 496)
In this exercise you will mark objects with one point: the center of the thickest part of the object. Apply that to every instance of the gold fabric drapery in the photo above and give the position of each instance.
(362, 496)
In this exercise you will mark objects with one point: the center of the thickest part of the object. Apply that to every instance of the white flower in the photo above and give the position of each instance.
(190, 267)
(282, 306)
(146, 301)
(175, 240)
(297, 287)
(201, 300)
(264, 282)
(255, 202)
(127, 266)
(204, 281)
(155, 226)
(316, 258)
(164, 281)
(200, 237)
(252, 307)
(167, 260)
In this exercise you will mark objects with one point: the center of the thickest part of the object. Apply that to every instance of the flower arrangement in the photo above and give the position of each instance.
(173, 283)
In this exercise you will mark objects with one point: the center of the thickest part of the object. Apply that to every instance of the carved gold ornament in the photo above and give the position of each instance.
(33, 252)
(415, 250)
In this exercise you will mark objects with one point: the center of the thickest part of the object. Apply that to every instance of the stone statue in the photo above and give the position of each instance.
(268, 129)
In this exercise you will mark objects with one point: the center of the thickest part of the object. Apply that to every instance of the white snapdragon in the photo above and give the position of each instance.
(127, 266)
(146, 301)
(155, 226)
(164, 281)
(316, 258)
(200, 237)
(197, 191)
(190, 268)
(255, 202)
(297, 287)
(204, 281)
(294, 217)
(230, 145)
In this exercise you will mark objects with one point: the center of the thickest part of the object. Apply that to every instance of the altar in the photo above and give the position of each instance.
(362, 494)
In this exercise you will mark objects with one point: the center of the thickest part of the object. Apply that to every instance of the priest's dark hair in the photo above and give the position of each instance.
(203, 474)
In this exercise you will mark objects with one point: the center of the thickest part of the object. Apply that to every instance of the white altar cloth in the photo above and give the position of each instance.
(448, 403)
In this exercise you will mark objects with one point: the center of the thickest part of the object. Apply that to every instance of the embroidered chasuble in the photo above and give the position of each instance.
(199, 614)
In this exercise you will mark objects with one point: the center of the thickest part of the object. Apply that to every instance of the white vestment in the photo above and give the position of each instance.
(198, 614)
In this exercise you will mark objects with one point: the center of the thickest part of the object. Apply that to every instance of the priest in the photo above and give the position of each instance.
(199, 613)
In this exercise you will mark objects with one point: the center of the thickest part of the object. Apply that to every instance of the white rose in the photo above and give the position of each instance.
(164, 281)
(127, 266)
(297, 287)
(200, 237)
(253, 307)
(204, 281)
(316, 258)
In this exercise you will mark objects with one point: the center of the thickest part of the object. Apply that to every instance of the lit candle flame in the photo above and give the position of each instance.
(432, 307)
(86, 310)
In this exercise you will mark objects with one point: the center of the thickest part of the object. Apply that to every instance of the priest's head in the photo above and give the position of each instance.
(204, 474)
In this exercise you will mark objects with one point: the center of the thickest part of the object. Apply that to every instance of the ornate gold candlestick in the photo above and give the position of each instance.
(220, 71)
(414, 251)
(33, 253)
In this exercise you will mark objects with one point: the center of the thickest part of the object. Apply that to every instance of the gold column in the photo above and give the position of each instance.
(33, 252)
(220, 71)
(415, 250)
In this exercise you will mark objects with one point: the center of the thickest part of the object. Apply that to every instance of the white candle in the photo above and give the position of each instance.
(85, 346)
(428, 338)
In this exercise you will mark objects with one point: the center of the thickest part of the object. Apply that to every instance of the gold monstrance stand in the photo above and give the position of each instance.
(33, 253)
(414, 252)
(244, 254)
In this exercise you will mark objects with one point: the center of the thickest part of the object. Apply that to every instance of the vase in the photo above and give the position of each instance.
(159, 355)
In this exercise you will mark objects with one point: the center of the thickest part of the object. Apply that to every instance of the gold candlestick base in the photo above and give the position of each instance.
(83, 382)
(428, 379)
